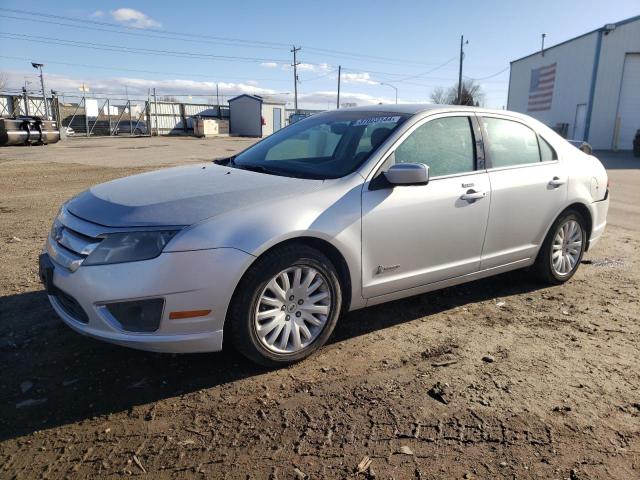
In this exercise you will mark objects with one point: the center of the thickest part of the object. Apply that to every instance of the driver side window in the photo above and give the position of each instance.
(445, 145)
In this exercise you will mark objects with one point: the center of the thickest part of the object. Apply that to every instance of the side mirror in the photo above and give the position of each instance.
(408, 174)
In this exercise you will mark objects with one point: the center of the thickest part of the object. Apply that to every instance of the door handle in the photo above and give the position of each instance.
(472, 196)
(557, 181)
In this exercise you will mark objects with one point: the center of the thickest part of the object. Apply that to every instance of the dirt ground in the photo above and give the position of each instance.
(537, 382)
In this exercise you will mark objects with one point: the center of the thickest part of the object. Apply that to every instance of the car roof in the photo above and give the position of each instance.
(415, 108)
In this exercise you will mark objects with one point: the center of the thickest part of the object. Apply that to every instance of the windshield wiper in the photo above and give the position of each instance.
(225, 162)
(258, 168)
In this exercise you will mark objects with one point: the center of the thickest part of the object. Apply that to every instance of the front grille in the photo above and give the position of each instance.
(76, 242)
(71, 240)
(70, 306)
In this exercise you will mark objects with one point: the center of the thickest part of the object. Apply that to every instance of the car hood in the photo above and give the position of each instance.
(182, 195)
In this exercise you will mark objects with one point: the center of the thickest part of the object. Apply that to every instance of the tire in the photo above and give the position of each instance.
(137, 132)
(548, 271)
(257, 296)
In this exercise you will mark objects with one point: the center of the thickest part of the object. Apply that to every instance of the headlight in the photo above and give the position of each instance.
(129, 247)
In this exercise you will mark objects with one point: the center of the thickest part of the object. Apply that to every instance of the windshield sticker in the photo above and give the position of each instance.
(369, 121)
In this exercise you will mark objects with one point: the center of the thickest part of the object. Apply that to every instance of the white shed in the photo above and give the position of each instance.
(252, 116)
(587, 86)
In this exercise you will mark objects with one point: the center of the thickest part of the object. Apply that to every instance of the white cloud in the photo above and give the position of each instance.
(314, 67)
(327, 99)
(202, 91)
(97, 14)
(269, 65)
(363, 77)
(134, 18)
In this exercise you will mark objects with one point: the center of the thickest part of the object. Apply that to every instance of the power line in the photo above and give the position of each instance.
(138, 34)
(489, 76)
(131, 27)
(125, 49)
(107, 67)
(228, 40)
(429, 71)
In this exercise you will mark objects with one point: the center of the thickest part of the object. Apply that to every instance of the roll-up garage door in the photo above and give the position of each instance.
(629, 107)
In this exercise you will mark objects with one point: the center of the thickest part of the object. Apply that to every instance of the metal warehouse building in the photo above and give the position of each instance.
(587, 88)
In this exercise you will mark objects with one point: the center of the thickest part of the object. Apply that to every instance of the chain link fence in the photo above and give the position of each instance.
(113, 115)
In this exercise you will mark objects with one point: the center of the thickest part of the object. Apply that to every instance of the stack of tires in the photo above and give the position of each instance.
(636, 145)
(28, 131)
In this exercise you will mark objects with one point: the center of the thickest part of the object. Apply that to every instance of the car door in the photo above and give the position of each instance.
(420, 234)
(528, 189)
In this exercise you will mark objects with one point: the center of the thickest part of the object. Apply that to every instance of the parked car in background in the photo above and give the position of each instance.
(340, 211)
(296, 117)
(133, 127)
(582, 145)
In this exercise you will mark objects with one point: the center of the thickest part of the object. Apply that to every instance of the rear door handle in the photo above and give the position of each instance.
(557, 181)
(472, 196)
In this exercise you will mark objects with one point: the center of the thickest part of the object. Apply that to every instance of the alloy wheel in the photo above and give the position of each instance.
(293, 309)
(566, 248)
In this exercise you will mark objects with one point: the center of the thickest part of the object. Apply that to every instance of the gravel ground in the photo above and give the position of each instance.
(500, 378)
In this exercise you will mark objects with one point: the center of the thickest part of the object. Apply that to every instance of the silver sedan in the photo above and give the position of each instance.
(339, 211)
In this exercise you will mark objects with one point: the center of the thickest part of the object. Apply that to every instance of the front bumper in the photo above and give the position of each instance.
(187, 281)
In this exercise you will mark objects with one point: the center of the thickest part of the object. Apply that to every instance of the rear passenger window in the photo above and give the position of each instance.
(546, 151)
(510, 143)
(445, 145)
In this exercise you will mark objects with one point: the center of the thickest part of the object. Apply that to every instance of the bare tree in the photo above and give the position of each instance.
(472, 94)
(439, 95)
(4, 81)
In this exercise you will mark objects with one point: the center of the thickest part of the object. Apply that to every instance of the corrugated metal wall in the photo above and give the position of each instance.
(574, 72)
(6, 105)
(14, 105)
(615, 45)
(177, 118)
(574, 67)
(170, 118)
(166, 118)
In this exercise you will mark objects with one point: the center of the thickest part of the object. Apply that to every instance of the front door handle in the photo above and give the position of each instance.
(557, 181)
(472, 195)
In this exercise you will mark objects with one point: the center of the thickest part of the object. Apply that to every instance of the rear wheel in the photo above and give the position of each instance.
(286, 306)
(562, 250)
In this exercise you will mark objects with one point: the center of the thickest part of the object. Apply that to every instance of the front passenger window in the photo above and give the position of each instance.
(444, 144)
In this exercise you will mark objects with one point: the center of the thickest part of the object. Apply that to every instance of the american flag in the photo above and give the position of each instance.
(541, 88)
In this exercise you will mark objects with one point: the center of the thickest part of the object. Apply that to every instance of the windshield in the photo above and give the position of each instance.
(322, 146)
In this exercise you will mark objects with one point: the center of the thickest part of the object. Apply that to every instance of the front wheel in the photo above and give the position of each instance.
(562, 250)
(286, 306)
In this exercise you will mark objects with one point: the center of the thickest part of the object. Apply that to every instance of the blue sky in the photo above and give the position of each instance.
(402, 43)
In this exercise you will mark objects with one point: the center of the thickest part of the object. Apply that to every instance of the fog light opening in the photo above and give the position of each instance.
(141, 316)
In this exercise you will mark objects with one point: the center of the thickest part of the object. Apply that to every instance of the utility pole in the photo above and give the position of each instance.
(25, 97)
(295, 77)
(155, 110)
(542, 47)
(462, 43)
(218, 99)
(338, 99)
(38, 66)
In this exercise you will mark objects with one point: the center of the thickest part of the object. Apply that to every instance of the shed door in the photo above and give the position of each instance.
(580, 122)
(629, 106)
(277, 119)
